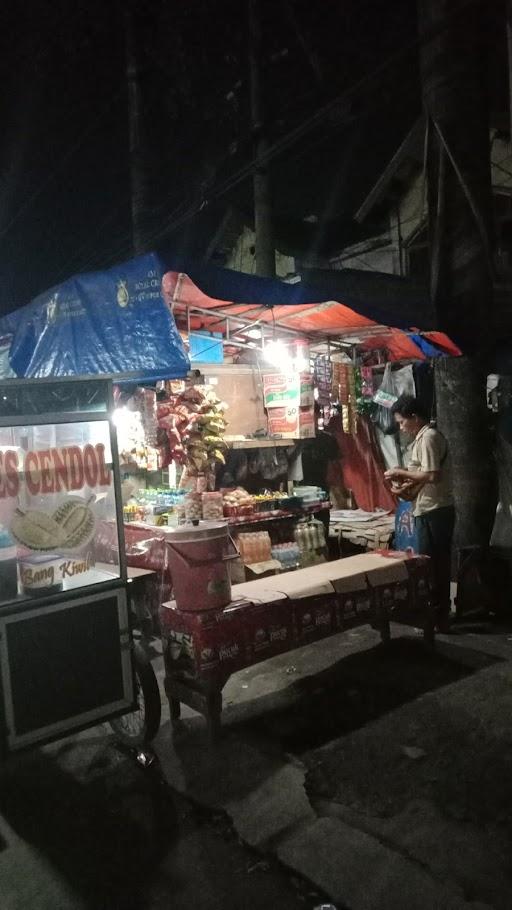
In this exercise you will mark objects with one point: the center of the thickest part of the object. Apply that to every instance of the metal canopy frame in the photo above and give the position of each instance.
(243, 325)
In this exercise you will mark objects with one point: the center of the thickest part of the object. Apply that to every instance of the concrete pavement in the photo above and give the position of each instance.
(374, 777)
(385, 822)
(83, 827)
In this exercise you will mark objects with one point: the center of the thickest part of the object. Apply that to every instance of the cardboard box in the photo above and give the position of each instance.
(365, 585)
(206, 644)
(308, 582)
(418, 608)
(341, 575)
(269, 628)
(292, 422)
(356, 608)
(241, 389)
(213, 644)
(314, 618)
(285, 389)
(257, 570)
(390, 583)
(355, 601)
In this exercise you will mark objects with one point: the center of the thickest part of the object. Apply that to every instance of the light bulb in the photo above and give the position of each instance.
(119, 416)
(300, 364)
(278, 355)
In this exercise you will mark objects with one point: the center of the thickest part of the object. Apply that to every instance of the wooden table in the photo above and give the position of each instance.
(375, 534)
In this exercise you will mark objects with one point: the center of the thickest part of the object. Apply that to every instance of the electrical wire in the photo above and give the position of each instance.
(62, 163)
(68, 267)
(179, 216)
(183, 212)
(349, 94)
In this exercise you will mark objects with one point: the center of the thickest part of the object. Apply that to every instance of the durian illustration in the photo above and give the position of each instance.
(37, 530)
(71, 526)
(76, 519)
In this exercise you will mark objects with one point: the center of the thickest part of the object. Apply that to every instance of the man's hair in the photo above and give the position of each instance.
(409, 406)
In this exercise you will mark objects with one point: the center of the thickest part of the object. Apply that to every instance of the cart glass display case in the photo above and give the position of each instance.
(56, 484)
(64, 630)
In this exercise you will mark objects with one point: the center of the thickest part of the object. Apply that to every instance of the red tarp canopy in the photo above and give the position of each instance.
(327, 319)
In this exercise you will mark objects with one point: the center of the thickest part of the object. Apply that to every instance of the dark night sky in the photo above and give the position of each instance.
(64, 164)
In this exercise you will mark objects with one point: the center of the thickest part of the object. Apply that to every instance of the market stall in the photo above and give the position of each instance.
(211, 484)
(232, 441)
(217, 437)
(181, 461)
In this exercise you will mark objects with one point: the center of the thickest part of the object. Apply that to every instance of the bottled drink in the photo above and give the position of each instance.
(252, 555)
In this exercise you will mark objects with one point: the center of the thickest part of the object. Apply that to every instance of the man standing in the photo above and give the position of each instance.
(428, 483)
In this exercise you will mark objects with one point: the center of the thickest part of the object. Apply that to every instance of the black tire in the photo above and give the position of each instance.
(139, 727)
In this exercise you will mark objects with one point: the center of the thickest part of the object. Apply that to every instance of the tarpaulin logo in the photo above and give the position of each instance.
(123, 296)
(51, 309)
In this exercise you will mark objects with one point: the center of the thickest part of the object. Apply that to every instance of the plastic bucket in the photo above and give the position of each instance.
(199, 559)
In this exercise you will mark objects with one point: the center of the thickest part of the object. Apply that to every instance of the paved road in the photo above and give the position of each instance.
(83, 826)
(381, 776)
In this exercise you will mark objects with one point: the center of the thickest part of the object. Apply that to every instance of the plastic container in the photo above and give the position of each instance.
(194, 506)
(199, 558)
(213, 506)
(263, 546)
(41, 574)
(202, 483)
(299, 536)
(254, 547)
(318, 533)
(309, 494)
(240, 541)
(288, 554)
(245, 542)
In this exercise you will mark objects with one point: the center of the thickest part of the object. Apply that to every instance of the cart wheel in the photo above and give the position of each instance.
(141, 725)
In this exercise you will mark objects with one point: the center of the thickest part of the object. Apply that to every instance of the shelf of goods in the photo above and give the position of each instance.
(279, 514)
(262, 443)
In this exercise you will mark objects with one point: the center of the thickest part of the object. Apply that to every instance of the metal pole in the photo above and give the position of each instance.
(137, 164)
(400, 241)
(509, 57)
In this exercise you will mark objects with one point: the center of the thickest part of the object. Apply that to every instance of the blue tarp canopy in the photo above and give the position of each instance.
(113, 322)
(387, 299)
(116, 322)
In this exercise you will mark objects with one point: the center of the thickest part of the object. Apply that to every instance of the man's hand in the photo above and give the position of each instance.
(403, 487)
(397, 474)
(400, 474)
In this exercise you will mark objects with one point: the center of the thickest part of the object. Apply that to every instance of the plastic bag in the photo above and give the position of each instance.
(385, 398)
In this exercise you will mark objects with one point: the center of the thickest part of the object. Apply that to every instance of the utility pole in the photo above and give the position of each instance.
(138, 176)
(264, 244)
(460, 219)
(509, 54)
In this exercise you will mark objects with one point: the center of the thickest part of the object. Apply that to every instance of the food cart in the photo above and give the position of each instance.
(65, 640)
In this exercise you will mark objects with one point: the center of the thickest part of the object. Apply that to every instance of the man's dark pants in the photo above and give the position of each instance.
(435, 533)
